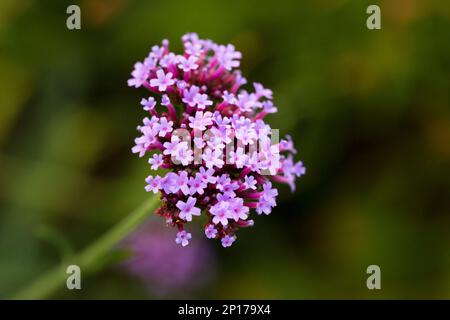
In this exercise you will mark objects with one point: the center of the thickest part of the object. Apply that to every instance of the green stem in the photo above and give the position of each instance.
(90, 258)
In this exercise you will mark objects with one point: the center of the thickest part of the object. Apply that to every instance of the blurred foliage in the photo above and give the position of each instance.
(368, 110)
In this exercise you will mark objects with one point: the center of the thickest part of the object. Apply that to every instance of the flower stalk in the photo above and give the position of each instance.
(89, 260)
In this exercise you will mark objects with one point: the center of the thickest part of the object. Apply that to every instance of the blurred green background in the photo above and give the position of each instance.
(368, 110)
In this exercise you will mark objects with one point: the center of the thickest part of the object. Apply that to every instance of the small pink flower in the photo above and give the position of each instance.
(201, 120)
(188, 209)
(189, 95)
(156, 161)
(210, 231)
(139, 75)
(197, 185)
(164, 126)
(162, 80)
(227, 241)
(153, 184)
(148, 104)
(187, 64)
(221, 213)
(249, 182)
(183, 238)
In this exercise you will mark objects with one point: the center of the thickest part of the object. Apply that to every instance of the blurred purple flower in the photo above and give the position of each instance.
(163, 267)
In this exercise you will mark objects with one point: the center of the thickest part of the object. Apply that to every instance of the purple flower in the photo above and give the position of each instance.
(153, 184)
(221, 122)
(148, 104)
(253, 163)
(164, 126)
(150, 62)
(157, 52)
(162, 80)
(269, 107)
(187, 64)
(165, 269)
(268, 191)
(167, 60)
(247, 102)
(189, 95)
(165, 101)
(246, 135)
(207, 175)
(156, 161)
(229, 188)
(228, 57)
(183, 238)
(201, 100)
(210, 231)
(238, 157)
(182, 154)
(229, 98)
(221, 213)
(240, 80)
(199, 143)
(169, 183)
(264, 206)
(287, 145)
(197, 185)
(194, 49)
(139, 75)
(182, 182)
(223, 180)
(237, 209)
(299, 169)
(213, 158)
(249, 182)
(188, 209)
(229, 173)
(181, 84)
(227, 241)
(170, 147)
(201, 120)
(261, 91)
(144, 142)
(222, 197)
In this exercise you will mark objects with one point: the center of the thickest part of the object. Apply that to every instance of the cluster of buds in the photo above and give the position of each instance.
(221, 157)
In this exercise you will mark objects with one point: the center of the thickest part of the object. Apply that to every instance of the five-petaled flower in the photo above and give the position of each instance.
(162, 80)
(183, 238)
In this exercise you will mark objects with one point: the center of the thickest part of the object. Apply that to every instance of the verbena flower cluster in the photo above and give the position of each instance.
(211, 136)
